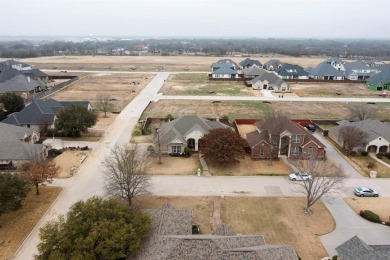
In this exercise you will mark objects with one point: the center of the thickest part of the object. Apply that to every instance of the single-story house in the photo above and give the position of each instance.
(18, 145)
(378, 135)
(225, 73)
(272, 65)
(336, 63)
(291, 140)
(380, 81)
(252, 72)
(171, 238)
(357, 249)
(325, 71)
(175, 135)
(290, 71)
(270, 81)
(249, 63)
(41, 113)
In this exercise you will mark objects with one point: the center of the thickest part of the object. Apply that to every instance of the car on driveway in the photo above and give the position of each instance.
(299, 176)
(366, 192)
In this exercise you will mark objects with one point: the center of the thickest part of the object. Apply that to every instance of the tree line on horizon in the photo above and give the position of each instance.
(343, 48)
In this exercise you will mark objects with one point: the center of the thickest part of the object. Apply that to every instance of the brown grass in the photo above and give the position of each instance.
(67, 160)
(363, 161)
(175, 165)
(247, 166)
(280, 221)
(15, 226)
(380, 206)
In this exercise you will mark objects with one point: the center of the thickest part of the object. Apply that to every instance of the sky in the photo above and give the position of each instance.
(197, 18)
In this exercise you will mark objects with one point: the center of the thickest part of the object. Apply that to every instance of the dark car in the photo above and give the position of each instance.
(310, 127)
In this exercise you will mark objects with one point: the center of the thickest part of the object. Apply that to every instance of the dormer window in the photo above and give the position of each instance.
(296, 138)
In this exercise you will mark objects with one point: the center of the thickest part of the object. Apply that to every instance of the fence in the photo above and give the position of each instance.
(53, 89)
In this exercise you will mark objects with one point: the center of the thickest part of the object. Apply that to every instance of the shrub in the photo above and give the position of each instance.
(364, 153)
(195, 229)
(169, 117)
(353, 153)
(371, 216)
(371, 165)
(387, 155)
(150, 148)
(187, 151)
(379, 156)
(137, 131)
(335, 257)
(54, 152)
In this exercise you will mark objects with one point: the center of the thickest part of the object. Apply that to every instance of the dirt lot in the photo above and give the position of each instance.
(122, 88)
(255, 109)
(199, 84)
(322, 89)
(274, 218)
(15, 226)
(151, 63)
(67, 160)
(380, 206)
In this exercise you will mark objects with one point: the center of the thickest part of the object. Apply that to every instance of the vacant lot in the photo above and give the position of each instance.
(15, 226)
(274, 218)
(121, 88)
(247, 166)
(255, 109)
(151, 63)
(68, 160)
(199, 84)
(380, 206)
(326, 89)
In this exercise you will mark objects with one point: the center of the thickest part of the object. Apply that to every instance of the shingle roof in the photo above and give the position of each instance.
(253, 71)
(180, 127)
(270, 77)
(272, 62)
(34, 73)
(250, 62)
(227, 61)
(224, 70)
(225, 244)
(291, 69)
(374, 128)
(383, 76)
(11, 145)
(356, 249)
(325, 69)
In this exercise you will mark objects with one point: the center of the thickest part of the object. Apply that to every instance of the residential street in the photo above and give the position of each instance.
(89, 179)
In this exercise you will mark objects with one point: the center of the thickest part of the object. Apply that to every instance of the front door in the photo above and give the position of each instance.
(191, 143)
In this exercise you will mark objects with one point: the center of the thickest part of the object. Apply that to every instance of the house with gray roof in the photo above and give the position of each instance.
(358, 70)
(357, 249)
(229, 62)
(325, 71)
(41, 112)
(171, 238)
(336, 63)
(18, 145)
(378, 135)
(175, 135)
(291, 71)
(380, 81)
(272, 65)
(249, 63)
(270, 81)
(252, 72)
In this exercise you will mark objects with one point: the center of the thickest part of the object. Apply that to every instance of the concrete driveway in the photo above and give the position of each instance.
(349, 224)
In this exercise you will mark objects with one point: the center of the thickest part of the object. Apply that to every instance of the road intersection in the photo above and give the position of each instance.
(89, 179)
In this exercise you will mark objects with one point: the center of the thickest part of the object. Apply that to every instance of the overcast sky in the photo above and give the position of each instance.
(199, 18)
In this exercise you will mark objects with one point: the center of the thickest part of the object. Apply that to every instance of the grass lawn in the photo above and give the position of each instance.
(199, 84)
(379, 206)
(15, 226)
(280, 221)
(250, 167)
(363, 161)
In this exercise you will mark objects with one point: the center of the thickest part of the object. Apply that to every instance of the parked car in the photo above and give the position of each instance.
(299, 176)
(311, 128)
(366, 192)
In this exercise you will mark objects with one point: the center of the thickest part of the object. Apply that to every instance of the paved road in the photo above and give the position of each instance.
(107, 72)
(89, 179)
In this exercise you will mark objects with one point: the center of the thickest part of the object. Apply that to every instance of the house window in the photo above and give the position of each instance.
(261, 152)
(296, 139)
(310, 151)
(176, 149)
(294, 150)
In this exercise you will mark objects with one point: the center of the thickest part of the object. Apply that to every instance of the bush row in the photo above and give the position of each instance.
(369, 215)
(381, 155)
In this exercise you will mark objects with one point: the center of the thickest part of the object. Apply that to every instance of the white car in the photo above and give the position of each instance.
(299, 176)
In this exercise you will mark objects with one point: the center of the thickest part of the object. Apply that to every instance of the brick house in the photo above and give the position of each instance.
(282, 136)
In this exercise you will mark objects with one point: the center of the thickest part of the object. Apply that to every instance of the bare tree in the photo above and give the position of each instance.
(362, 112)
(44, 124)
(352, 137)
(158, 142)
(104, 103)
(326, 179)
(126, 173)
(275, 122)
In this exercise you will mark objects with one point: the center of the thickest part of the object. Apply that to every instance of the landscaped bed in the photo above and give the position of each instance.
(15, 226)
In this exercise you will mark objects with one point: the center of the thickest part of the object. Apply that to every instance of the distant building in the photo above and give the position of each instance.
(290, 71)
(380, 81)
(249, 63)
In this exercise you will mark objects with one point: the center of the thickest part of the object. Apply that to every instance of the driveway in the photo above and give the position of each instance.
(349, 224)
